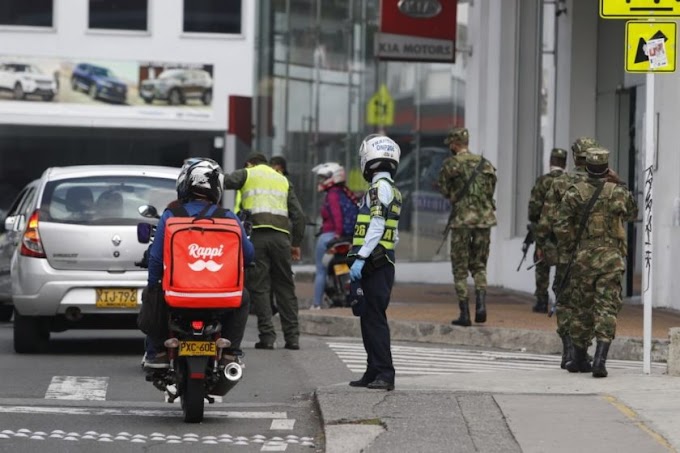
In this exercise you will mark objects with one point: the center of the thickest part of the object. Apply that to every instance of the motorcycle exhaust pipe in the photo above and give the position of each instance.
(233, 372)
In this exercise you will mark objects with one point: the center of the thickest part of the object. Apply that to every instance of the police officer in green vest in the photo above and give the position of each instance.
(278, 228)
(375, 237)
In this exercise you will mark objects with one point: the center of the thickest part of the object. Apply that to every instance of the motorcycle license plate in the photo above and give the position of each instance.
(341, 269)
(116, 298)
(197, 348)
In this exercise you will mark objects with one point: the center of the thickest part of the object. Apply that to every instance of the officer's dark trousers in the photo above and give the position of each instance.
(374, 328)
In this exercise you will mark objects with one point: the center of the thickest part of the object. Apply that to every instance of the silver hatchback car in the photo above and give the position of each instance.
(74, 262)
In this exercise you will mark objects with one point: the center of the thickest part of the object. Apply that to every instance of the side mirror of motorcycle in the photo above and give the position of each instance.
(144, 233)
(148, 211)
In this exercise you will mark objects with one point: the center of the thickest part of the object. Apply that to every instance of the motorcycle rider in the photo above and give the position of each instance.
(199, 190)
(331, 180)
(375, 238)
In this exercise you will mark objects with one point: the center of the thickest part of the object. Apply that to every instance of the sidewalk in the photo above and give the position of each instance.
(500, 411)
(423, 312)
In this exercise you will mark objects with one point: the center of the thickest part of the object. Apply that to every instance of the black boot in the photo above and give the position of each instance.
(566, 351)
(541, 305)
(480, 307)
(600, 359)
(464, 319)
(579, 360)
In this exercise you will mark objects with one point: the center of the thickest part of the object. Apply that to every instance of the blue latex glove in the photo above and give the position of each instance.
(355, 270)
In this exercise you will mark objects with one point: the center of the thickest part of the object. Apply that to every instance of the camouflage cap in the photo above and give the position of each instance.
(558, 153)
(597, 156)
(582, 144)
(458, 135)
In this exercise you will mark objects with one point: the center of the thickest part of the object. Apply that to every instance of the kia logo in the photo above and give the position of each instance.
(420, 9)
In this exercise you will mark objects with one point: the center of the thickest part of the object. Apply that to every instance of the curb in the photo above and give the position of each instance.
(532, 341)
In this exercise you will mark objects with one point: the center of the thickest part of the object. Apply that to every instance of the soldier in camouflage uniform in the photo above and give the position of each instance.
(545, 234)
(471, 220)
(545, 256)
(599, 265)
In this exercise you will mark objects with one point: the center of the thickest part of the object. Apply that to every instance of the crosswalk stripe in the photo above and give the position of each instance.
(413, 360)
(77, 388)
(55, 410)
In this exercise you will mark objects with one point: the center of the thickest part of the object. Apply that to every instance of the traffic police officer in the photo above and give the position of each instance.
(268, 196)
(375, 237)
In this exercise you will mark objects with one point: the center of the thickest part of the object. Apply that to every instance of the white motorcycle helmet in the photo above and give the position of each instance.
(378, 153)
(328, 175)
(202, 177)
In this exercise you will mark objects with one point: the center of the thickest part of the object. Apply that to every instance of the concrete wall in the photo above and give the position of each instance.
(232, 56)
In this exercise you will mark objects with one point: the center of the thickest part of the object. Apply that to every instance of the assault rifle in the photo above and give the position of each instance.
(461, 193)
(528, 240)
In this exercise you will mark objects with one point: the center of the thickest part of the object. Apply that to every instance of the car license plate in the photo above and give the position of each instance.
(197, 348)
(341, 269)
(116, 297)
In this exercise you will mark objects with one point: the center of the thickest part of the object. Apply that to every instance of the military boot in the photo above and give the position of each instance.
(541, 305)
(480, 307)
(600, 358)
(579, 360)
(566, 351)
(464, 318)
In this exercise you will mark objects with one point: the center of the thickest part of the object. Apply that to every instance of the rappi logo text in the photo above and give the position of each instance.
(204, 257)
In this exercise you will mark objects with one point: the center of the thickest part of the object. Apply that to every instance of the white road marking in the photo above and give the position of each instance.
(410, 360)
(50, 410)
(77, 388)
(285, 424)
(274, 445)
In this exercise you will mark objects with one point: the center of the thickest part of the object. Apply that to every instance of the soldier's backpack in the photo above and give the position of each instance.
(203, 260)
(350, 210)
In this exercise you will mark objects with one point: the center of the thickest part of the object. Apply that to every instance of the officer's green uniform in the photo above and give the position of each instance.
(475, 214)
(599, 266)
(545, 245)
(274, 206)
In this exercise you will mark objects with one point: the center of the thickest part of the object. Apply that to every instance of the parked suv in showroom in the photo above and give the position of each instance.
(176, 86)
(73, 260)
(99, 83)
(26, 80)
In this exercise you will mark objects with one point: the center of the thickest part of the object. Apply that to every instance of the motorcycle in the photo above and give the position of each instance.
(337, 271)
(198, 369)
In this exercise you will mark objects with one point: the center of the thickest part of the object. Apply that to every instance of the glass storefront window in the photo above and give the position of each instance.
(317, 73)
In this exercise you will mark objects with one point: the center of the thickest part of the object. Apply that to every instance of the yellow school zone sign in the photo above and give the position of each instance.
(380, 108)
(650, 46)
(629, 9)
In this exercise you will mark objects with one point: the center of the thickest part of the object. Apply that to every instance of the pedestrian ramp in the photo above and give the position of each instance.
(419, 361)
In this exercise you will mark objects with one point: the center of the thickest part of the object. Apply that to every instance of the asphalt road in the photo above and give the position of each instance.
(112, 408)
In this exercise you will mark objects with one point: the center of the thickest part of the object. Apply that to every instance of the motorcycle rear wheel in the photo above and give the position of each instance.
(192, 400)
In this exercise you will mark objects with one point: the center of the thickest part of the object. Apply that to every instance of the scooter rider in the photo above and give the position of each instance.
(331, 180)
(199, 189)
(375, 238)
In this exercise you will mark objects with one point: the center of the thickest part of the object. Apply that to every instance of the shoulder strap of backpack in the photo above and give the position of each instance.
(468, 183)
(179, 211)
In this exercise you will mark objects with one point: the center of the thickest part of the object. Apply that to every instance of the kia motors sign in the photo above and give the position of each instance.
(417, 30)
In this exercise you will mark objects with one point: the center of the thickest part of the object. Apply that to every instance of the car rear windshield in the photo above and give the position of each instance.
(104, 200)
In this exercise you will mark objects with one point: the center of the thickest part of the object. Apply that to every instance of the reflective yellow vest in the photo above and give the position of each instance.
(265, 195)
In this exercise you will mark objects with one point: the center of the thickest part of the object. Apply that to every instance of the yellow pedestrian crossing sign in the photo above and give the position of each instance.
(650, 46)
(380, 108)
(628, 9)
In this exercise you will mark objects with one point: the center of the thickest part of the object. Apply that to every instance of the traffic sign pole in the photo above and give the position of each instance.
(647, 252)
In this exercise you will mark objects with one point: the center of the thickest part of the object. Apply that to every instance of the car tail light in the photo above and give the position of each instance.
(197, 325)
(342, 249)
(31, 245)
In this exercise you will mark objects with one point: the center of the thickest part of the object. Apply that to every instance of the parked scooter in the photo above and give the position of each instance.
(337, 271)
(194, 346)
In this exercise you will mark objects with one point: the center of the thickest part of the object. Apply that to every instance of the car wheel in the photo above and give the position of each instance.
(175, 97)
(94, 93)
(74, 85)
(19, 92)
(148, 100)
(6, 312)
(30, 334)
(48, 97)
(207, 97)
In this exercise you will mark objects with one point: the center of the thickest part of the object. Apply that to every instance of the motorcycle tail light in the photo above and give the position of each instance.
(31, 244)
(197, 325)
(342, 249)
